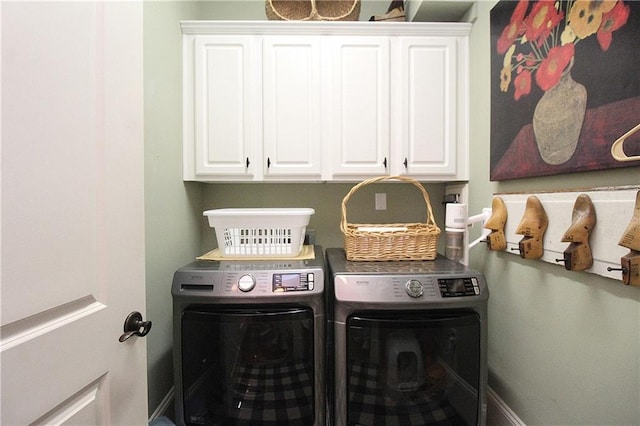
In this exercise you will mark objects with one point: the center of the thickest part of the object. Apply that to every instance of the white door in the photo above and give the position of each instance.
(72, 213)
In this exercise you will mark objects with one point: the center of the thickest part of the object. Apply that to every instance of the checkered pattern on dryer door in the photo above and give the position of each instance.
(271, 395)
(370, 402)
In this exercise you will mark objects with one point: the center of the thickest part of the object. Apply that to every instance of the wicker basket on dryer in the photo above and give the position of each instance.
(312, 10)
(392, 241)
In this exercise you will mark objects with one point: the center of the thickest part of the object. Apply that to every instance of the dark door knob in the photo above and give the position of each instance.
(134, 326)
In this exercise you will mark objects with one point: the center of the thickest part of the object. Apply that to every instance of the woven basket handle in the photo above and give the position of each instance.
(425, 195)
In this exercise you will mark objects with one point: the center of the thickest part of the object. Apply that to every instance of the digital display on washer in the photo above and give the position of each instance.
(292, 282)
(456, 287)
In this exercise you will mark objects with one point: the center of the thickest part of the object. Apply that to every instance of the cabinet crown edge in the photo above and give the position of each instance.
(325, 28)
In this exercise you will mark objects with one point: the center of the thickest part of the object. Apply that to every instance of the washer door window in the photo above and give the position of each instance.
(413, 368)
(248, 366)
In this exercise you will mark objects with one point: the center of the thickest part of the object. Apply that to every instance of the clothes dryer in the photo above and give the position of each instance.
(409, 342)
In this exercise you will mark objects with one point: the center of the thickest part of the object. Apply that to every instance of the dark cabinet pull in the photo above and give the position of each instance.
(405, 162)
(384, 162)
(247, 162)
(268, 162)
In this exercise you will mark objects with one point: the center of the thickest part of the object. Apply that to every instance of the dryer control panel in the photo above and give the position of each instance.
(409, 284)
(457, 287)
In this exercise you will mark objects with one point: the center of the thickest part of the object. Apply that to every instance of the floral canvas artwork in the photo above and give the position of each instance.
(565, 85)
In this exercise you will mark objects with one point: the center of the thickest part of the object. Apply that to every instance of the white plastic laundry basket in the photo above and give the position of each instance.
(255, 232)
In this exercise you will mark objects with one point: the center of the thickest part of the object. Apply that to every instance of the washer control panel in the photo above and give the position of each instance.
(281, 282)
(246, 283)
(414, 288)
(252, 279)
(294, 281)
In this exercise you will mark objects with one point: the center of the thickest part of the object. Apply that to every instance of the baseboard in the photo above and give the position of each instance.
(164, 405)
(499, 413)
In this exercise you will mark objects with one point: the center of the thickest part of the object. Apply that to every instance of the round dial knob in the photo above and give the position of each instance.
(414, 288)
(246, 282)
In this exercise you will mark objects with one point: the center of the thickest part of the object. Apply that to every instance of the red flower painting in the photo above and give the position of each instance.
(539, 40)
(566, 86)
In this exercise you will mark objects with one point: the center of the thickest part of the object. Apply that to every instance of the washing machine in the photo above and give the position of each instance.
(408, 342)
(249, 342)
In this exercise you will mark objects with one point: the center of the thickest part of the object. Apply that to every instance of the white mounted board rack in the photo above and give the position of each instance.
(614, 209)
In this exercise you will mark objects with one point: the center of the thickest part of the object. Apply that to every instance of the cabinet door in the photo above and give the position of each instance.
(291, 108)
(427, 106)
(358, 105)
(224, 95)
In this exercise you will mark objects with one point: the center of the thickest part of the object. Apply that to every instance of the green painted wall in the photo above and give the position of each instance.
(564, 347)
(171, 206)
(405, 204)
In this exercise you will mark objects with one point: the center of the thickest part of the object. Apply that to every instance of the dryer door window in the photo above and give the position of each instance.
(248, 366)
(413, 368)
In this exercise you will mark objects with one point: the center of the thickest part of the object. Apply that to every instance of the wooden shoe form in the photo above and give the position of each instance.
(496, 239)
(578, 257)
(631, 237)
(533, 225)
(631, 268)
(583, 220)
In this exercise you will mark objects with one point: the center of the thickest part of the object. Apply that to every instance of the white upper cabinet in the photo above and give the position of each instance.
(221, 93)
(291, 107)
(426, 92)
(358, 108)
(315, 101)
